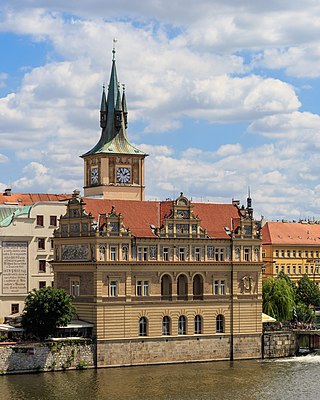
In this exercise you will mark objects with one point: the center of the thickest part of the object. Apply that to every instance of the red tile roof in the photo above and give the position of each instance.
(139, 215)
(26, 199)
(291, 233)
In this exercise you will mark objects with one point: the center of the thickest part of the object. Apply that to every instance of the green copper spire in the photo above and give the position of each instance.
(113, 120)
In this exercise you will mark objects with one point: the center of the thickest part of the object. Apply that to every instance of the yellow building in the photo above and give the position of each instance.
(293, 248)
(162, 281)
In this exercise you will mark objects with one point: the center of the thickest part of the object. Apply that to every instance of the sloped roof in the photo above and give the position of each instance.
(139, 215)
(25, 199)
(15, 212)
(291, 233)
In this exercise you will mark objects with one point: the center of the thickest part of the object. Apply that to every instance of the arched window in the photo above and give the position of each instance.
(166, 287)
(165, 325)
(143, 326)
(197, 287)
(182, 325)
(197, 325)
(220, 323)
(182, 287)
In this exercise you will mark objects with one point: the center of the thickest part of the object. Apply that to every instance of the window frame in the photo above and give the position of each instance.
(113, 288)
(40, 220)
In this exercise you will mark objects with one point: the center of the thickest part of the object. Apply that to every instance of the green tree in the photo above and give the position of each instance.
(308, 292)
(45, 310)
(278, 298)
(304, 313)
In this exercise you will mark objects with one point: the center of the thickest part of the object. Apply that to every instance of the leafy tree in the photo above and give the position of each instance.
(304, 313)
(308, 292)
(45, 310)
(278, 298)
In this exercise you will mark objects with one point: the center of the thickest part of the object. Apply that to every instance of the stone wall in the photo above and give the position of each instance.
(58, 355)
(279, 344)
(174, 350)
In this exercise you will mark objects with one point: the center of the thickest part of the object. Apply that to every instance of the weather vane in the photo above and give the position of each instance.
(114, 48)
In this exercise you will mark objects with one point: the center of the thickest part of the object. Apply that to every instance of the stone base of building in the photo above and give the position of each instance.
(280, 344)
(125, 352)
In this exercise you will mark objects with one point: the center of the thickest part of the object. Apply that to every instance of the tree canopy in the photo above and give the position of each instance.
(285, 301)
(278, 298)
(308, 292)
(45, 310)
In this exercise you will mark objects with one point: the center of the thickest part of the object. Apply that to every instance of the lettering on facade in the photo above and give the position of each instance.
(15, 267)
(75, 252)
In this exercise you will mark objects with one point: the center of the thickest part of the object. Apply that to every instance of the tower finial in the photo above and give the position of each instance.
(114, 49)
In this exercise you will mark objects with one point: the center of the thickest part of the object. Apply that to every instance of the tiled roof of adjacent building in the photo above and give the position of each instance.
(139, 215)
(25, 199)
(302, 233)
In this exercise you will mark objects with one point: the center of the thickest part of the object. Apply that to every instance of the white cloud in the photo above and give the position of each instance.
(190, 61)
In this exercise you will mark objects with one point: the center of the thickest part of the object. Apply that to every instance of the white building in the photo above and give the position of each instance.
(26, 228)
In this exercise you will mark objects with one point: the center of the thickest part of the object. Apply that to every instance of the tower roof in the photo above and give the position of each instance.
(113, 120)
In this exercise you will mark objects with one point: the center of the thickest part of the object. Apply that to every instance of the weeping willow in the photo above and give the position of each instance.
(278, 298)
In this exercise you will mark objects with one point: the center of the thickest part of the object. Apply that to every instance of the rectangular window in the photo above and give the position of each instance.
(221, 254)
(317, 254)
(307, 254)
(294, 253)
(145, 254)
(42, 284)
(139, 288)
(197, 254)
(311, 269)
(51, 244)
(40, 220)
(277, 253)
(300, 253)
(282, 253)
(311, 254)
(294, 269)
(113, 253)
(263, 253)
(142, 288)
(42, 265)
(307, 269)
(146, 288)
(14, 308)
(288, 253)
(216, 287)
(113, 288)
(75, 287)
(288, 269)
(222, 287)
(165, 254)
(277, 269)
(181, 254)
(300, 269)
(282, 268)
(53, 220)
(139, 254)
(246, 254)
(41, 244)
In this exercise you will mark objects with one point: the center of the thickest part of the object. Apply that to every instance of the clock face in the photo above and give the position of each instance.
(94, 175)
(123, 175)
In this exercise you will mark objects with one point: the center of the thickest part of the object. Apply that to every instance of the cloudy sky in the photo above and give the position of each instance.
(223, 95)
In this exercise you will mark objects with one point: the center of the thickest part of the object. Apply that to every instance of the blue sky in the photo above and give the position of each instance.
(223, 95)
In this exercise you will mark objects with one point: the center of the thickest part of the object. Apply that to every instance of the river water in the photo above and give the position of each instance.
(291, 378)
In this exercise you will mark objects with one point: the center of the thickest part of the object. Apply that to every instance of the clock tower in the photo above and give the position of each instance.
(113, 168)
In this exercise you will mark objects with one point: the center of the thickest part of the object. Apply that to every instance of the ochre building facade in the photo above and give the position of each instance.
(293, 248)
(162, 281)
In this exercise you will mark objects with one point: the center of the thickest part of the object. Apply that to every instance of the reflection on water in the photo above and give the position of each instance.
(292, 378)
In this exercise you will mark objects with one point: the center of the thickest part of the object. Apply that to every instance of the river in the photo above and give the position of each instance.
(291, 378)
